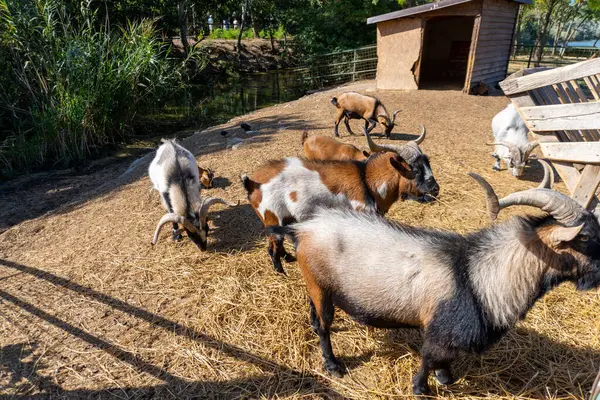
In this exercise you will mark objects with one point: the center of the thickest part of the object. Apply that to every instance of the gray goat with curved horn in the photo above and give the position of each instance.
(174, 173)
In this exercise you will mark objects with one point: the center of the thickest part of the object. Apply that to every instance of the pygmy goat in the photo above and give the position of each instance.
(353, 105)
(464, 291)
(510, 139)
(174, 173)
(318, 147)
(284, 191)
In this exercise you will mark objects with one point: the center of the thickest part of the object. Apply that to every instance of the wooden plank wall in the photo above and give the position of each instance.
(498, 18)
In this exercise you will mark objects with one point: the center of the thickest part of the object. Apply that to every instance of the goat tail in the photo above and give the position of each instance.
(304, 136)
(282, 231)
(249, 184)
(335, 102)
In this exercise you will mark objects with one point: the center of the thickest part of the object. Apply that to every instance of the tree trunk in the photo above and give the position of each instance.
(517, 32)
(556, 37)
(255, 30)
(242, 24)
(272, 40)
(542, 33)
(183, 26)
(564, 45)
(570, 35)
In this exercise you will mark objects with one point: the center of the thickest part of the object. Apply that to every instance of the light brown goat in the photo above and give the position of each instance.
(319, 147)
(206, 177)
(353, 105)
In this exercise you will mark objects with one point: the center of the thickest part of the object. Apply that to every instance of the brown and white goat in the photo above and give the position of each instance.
(465, 291)
(318, 147)
(175, 174)
(206, 177)
(353, 105)
(289, 190)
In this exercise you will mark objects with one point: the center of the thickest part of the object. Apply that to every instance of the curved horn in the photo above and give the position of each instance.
(174, 218)
(210, 201)
(548, 180)
(394, 116)
(561, 207)
(422, 136)
(530, 147)
(515, 152)
(493, 205)
(374, 147)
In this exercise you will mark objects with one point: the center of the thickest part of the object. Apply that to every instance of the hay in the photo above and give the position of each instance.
(90, 309)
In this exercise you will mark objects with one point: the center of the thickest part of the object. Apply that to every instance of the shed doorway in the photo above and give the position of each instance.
(446, 48)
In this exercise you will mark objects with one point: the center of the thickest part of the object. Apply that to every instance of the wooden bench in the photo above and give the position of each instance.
(561, 108)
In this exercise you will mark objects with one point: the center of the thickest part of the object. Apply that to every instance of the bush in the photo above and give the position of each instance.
(231, 34)
(278, 34)
(70, 84)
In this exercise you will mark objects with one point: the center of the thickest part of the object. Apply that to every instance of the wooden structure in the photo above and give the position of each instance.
(449, 43)
(561, 107)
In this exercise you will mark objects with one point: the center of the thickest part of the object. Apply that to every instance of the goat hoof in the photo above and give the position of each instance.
(289, 258)
(279, 268)
(333, 368)
(496, 168)
(421, 390)
(444, 376)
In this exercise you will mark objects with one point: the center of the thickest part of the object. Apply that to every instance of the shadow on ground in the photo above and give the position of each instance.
(278, 380)
(528, 363)
(62, 191)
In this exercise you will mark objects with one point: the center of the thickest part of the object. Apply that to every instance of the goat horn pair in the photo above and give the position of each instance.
(211, 201)
(408, 151)
(174, 218)
(564, 209)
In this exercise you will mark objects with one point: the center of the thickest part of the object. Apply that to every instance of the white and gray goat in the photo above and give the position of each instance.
(465, 291)
(174, 173)
(510, 139)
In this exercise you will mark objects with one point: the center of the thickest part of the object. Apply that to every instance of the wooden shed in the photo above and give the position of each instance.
(446, 44)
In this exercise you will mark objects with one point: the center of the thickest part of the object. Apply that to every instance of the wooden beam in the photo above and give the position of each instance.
(550, 77)
(585, 190)
(575, 152)
(591, 109)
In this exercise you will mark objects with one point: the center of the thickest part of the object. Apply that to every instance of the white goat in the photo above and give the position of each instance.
(174, 173)
(510, 139)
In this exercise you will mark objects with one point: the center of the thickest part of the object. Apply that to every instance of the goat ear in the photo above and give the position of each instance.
(402, 166)
(561, 234)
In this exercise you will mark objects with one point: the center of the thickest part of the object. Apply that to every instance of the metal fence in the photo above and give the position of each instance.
(351, 65)
(340, 67)
(524, 56)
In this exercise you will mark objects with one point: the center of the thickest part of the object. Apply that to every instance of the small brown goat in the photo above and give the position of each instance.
(353, 105)
(206, 177)
(320, 147)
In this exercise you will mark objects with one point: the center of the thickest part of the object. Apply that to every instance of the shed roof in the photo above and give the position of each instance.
(423, 9)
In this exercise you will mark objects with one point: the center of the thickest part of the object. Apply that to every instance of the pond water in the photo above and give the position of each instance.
(220, 98)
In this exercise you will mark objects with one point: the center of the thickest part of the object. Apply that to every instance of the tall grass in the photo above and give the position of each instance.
(70, 83)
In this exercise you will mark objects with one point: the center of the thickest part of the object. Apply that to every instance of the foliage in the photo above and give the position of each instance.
(70, 84)
(320, 26)
(230, 34)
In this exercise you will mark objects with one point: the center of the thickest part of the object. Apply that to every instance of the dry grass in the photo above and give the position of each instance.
(90, 309)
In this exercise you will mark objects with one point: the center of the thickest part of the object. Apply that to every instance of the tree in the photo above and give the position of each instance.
(182, 12)
(545, 7)
(242, 24)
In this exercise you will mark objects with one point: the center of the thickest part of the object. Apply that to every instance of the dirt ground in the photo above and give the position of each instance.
(89, 309)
